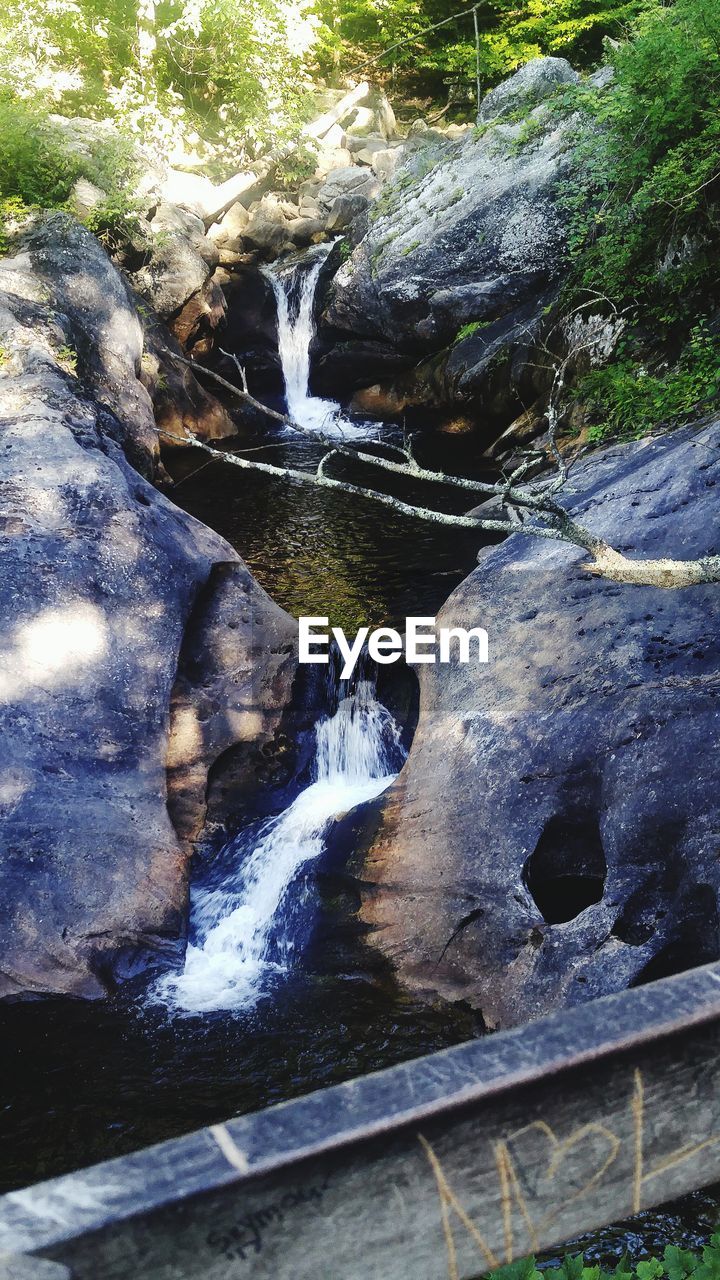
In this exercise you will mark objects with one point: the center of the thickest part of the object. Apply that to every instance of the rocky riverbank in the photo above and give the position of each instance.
(110, 727)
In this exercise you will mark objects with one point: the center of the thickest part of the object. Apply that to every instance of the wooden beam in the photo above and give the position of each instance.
(441, 1167)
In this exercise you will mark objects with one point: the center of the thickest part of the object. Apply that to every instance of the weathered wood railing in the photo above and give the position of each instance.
(442, 1167)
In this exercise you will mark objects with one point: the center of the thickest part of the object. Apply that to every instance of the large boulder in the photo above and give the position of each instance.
(104, 584)
(554, 834)
(532, 84)
(466, 233)
(180, 261)
(374, 115)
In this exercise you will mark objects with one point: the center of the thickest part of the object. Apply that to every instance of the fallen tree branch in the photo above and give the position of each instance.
(556, 524)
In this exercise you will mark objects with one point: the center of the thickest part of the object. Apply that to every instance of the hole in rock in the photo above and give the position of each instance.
(566, 872)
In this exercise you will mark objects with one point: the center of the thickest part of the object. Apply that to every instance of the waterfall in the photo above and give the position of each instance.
(295, 287)
(245, 930)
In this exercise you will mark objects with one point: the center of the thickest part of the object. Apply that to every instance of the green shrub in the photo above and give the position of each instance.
(644, 210)
(676, 1264)
(632, 401)
(39, 167)
(645, 218)
(469, 329)
(36, 165)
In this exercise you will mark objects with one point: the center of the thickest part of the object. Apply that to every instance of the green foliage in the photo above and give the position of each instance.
(573, 29)
(299, 165)
(469, 329)
(645, 211)
(675, 1264)
(183, 75)
(13, 215)
(511, 32)
(645, 219)
(36, 166)
(67, 359)
(631, 400)
(39, 166)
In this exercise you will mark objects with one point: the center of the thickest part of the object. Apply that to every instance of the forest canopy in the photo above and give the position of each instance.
(240, 76)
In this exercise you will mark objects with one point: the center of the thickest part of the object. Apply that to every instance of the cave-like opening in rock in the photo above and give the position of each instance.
(566, 871)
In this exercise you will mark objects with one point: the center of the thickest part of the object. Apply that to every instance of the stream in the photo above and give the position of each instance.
(278, 994)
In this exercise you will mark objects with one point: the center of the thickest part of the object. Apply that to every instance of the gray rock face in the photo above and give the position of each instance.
(465, 231)
(180, 263)
(344, 211)
(95, 319)
(554, 834)
(346, 182)
(532, 84)
(102, 577)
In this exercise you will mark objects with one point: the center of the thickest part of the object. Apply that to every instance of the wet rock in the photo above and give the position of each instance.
(205, 312)
(527, 427)
(271, 238)
(182, 406)
(303, 231)
(553, 835)
(351, 365)
(234, 680)
(103, 581)
(252, 311)
(378, 402)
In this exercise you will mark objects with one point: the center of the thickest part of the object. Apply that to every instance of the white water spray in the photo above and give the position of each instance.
(245, 929)
(295, 291)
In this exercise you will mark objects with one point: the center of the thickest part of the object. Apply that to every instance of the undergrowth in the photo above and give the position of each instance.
(631, 400)
(675, 1264)
(39, 166)
(645, 219)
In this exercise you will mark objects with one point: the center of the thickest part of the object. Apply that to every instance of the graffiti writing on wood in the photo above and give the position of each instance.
(546, 1158)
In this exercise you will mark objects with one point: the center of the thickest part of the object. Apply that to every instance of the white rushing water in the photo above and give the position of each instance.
(245, 929)
(295, 297)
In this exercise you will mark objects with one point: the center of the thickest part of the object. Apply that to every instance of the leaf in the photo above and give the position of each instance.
(679, 1263)
(650, 1269)
(571, 1267)
(523, 1269)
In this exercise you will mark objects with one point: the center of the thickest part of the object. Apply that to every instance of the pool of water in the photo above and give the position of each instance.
(319, 552)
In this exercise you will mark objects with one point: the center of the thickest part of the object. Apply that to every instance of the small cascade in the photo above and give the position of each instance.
(246, 929)
(295, 288)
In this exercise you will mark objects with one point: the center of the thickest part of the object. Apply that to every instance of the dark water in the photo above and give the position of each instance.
(326, 553)
(82, 1084)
